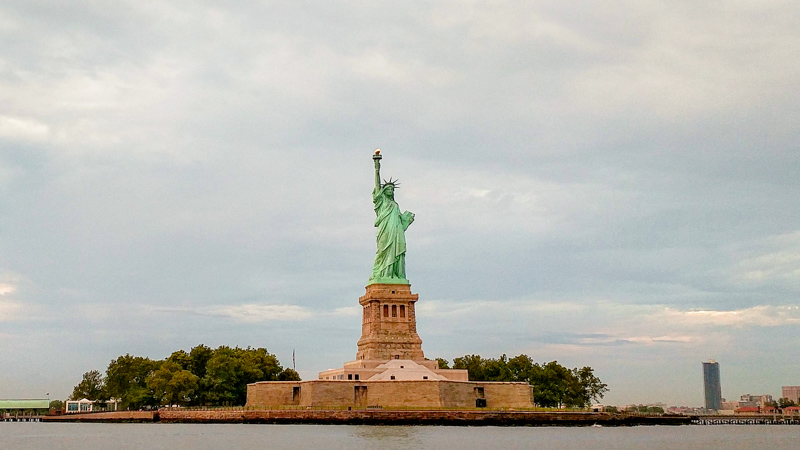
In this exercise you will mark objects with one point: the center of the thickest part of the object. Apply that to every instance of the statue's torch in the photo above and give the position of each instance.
(377, 158)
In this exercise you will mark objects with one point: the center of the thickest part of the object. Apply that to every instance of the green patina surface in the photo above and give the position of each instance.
(25, 404)
(390, 256)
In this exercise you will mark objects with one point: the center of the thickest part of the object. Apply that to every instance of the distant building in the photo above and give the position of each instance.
(754, 401)
(711, 385)
(685, 410)
(84, 405)
(729, 406)
(748, 410)
(792, 393)
(23, 407)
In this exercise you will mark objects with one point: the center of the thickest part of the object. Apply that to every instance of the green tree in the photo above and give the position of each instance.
(589, 387)
(229, 370)
(138, 397)
(521, 368)
(553, 384)
(443, 363)
(224, 373)
(198, 359)
(288, 375)
(182, 359)
(475, 365)
(91, 386)
(645, 409)
(785, 403)
(172, 385)
(497, 369)
(200, 377)
(126, 380)
(57, 405)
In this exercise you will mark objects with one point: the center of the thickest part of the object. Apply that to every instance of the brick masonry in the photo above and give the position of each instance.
(116, 416)
(389, 324)
(375, 417)
(420, 417)
(389, 394)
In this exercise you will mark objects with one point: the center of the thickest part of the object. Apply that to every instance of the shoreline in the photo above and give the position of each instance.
(375, 417)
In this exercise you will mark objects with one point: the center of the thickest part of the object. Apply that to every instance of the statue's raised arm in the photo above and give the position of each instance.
(377, 158)
(390, 257)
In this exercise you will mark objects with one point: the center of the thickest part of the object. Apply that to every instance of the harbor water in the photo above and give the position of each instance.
(40, 435)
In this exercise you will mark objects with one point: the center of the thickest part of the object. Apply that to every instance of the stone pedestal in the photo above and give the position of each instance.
(389, 324)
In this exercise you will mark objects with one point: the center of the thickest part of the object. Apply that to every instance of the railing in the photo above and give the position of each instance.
(5, 417)
(749, 419)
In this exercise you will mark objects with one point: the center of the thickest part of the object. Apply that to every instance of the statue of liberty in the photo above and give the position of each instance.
(390, 258)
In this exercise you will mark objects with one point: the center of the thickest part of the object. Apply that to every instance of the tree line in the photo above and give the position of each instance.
(217, 377)
(554, 385)
(202, 376)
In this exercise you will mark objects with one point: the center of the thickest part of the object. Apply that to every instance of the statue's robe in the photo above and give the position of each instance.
(390, 257)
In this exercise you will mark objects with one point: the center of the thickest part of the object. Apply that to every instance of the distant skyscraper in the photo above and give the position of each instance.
(711, 384)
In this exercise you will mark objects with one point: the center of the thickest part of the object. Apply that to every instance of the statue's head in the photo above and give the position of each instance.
(389, 187)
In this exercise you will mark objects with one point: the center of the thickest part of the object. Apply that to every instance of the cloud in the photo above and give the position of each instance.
(614, 339)
(7, 289)
(252, 313)
(347, 311)
(777, 260)
(756, 316)
(447, 308)
(255, 312)
(456, 308)
(19, 128)
(9, 310)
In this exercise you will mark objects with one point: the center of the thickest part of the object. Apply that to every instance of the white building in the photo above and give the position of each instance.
(85, 405)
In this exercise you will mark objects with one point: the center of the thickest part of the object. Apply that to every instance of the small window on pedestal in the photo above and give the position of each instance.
(402, 310)
(394, 310)
(385, 310)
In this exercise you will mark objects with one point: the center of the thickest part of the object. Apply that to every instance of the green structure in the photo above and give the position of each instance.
(23, 407)
(390, 257)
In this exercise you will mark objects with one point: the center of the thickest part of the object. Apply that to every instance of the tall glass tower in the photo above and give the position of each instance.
(711, 385)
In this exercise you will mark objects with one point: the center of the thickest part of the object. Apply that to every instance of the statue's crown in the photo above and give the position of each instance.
(393, 183)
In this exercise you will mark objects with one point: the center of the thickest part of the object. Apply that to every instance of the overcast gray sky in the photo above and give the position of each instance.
(602, 183)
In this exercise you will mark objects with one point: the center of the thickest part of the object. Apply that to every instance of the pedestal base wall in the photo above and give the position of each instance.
(389, 394)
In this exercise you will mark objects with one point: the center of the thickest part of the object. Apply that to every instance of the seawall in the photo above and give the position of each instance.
(379, 417)
(117, 416)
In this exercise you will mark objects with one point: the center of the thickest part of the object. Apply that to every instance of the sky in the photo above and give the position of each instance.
(603, 183)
